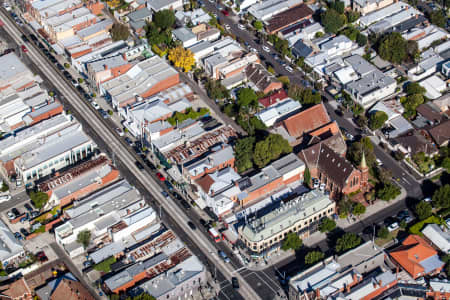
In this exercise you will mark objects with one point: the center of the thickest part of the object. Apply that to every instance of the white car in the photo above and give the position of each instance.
(322, 186)
(119, 131)
(211, 1)
(253, 50)
(379, 162)
(19, 182)
(5, 198)
(393, 226)
(11, 215)
(316, 183)
(427, 199)
(241, 27)
(95, 105)
(289, 69)
(265, 48)
(227, 27)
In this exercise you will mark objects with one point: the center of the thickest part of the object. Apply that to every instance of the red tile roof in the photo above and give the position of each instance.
(15, 290)
(205, 183)
(411, 253)
(306, 121)
(273, 99)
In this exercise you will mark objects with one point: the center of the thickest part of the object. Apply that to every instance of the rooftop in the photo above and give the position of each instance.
(9, 247)
(266, 9)
(306, 120)
(288, 17)
(216, 158)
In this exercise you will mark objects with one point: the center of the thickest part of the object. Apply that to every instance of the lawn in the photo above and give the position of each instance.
(105, 266)
(392, 235)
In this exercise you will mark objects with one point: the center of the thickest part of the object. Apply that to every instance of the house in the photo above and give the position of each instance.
(12, 249)
(207, 33)
(79, 181)
(264, 10)
(144, 79)
(382, 13)
(18, 289)
(439, 289)
(295, 127)
(337, 46)
(443, 103)
(139, 18)
(417, 257)
(65, 286)
(305, 30)
(300, 49)
(372, 84)
(438, 237)
(338, 174)
(220, 157)
(428, 65)
(276, 112)
(392, 20)
(414, 142)
(273, 99)
(441, 133)
(446, 69)
(366, 6)
(158, 5)
(395, 125)
(288, 17)
(431, 113)
(104, 69)
(185, 36)
(434, 87)
(195, 17)
(261, 80)
(357, 274)
(262, 240)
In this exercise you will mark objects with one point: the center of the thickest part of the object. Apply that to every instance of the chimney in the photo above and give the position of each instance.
(380, 283)
(355, 278)
(317, 293)
(347, 288)
(105, 66)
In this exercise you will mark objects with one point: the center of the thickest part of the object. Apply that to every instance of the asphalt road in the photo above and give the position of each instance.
(93, 124)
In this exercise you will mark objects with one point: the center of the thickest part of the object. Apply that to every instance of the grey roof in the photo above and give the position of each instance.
(438, 237)
(102, 25)
(46, 291)
(128, 274)
(9, 245)
(216, 158)
(300, 49)
(139, 14)
(110, 62)
(374, 81)
(401, 126)
(360, 65)
(107, 251)
(431, 263)
(11, 66)
(183, 34)
(156, 5)
(333, 43)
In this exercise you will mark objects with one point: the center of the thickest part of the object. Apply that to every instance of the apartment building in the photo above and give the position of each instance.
(264, 234)
(79, 181)
(144, 79)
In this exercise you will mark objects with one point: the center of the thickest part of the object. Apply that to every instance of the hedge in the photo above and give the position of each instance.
(416, 228)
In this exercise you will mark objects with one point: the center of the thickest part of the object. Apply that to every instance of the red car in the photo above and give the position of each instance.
(24, 49)
(225, 12)
(161, 176)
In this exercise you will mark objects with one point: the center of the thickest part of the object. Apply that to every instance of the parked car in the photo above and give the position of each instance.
(253, 50)
(95, 105)
(177, 196)
(192, 225)
(224, 256)
(204, 223)
(24, 232)
(185, 204)
(393, 226)
(139, 165)
(24, 49)
(160, 176)
(265, 48)
(87, 263)
(241, 27)
(15, 211)
(19, 182)
(289, 69)
(5, 198)
(18, 236)
(119, 131)
(168, 185)
(379, 162)
(165, 194)
(128, 141)
(74, 82)
(35, 213)
(427, 199)
(316, 183)
(225, 12)
(24, 218)
(235, 282)
(11, 215)
(41, 256)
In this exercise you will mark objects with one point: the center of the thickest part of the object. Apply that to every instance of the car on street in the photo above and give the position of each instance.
(24, 49)
(224, 256)
(235, 283)
(11, 215)
(177, 196)
(185, 204)
(241, 27)
(165, 194)
(139, 165)
(192, 225)
(5, 198)
(95, 105)
(24, 232)
(394, 226)
(74, 82)
(119, 131)
(289, 69)
(265, 48)
(204, 223)
(379, 162)
(60, 66)
(160, 176)
(253, 50)
(104, 113)
(18, 236)
(128, 141)
(168, 185)
(149, 164)
(225, 12)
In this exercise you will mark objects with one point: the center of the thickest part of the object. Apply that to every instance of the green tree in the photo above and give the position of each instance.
(216, 90)
(393, 48)
(84, 238)
(441, 197)
(119, 32)
(39, 199)
(423, 210)
(387, 191)
(339, 6)
(244, 153)
(361, 39)
(377, 120)
(332, 21)
(164, 19)
(352, 16)
(383, 233)
(438, 18)
(327, 225)
(258, 25)
(414, 88)
(446, 164)
(410, 103)
(313, 257)
(143, 296)
(346, 242)
(307, 177)
(247, 98)
(356, 149)
(4, 188)
(292, 241)
(270, 149)
(358, 209)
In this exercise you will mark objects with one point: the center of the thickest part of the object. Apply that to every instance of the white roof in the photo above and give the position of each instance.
(433, 86)
(9, 245)
(380, 106)
(438, 237)
(382, 13)
(266, 9)
(346, 75)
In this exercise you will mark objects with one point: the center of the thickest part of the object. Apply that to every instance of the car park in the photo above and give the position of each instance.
(235, 283)
(160, 176)
(192, 225)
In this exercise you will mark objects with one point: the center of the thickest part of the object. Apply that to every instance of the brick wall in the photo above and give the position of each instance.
(47, 115)
(130, 284)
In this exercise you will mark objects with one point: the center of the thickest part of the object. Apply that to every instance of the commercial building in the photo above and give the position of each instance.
(417, 257)
(14, 75)
(144, 79)
(11, 249)
(79, 181)
(343, 277)
(264, 234)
